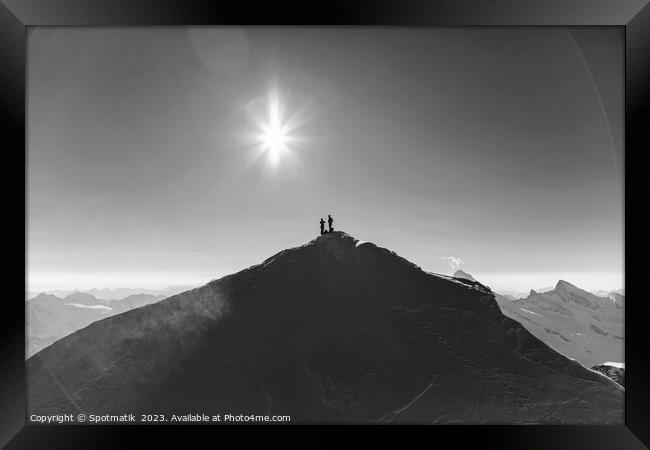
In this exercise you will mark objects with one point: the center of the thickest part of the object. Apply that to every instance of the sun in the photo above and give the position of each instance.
(275, 133)
(274, 136)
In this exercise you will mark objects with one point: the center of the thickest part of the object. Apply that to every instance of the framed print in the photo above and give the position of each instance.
(277, 217)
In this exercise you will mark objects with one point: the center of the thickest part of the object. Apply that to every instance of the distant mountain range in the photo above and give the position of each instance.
(577, 323)
(514, 294)
(120, 293)
(49, 318)
(617, 295)
(116, 293)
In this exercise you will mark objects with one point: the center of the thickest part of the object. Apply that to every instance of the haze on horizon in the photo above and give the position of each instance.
(498, 151)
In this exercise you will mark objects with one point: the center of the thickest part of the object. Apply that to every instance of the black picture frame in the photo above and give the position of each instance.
(16, 15)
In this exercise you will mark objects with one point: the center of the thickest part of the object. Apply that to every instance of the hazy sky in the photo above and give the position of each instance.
(499, 147)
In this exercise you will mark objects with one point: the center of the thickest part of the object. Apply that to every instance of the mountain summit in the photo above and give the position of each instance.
(464, 275)
(336, 330)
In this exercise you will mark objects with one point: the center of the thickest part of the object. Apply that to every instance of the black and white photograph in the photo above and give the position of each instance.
(325, 225)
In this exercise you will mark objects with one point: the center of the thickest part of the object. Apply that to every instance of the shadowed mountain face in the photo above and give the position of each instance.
(333, 331)
(575, 322)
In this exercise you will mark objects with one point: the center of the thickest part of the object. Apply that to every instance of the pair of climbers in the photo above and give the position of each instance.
(330, 221)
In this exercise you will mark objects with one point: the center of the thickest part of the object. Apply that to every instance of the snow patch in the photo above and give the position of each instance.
(614, 364)
(531, 312)
(79, 305)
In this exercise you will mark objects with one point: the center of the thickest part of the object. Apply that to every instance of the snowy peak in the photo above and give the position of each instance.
(570, 293)
(333, 249)
(464, 275)
(568, 287)
(337, 243)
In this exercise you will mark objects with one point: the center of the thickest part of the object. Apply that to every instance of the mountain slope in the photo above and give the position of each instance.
(332, 331)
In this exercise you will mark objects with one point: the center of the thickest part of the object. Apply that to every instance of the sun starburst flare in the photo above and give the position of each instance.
(275, 137)
(275, 129)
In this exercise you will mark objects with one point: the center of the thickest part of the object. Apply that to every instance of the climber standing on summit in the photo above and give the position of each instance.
(330, 221)
(322, 226)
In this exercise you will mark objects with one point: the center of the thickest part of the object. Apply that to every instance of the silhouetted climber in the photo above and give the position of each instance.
(322, 226)
(330, 221)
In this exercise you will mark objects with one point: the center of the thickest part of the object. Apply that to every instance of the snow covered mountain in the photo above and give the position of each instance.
(333, 331)
(574, 322)
(464, 275)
